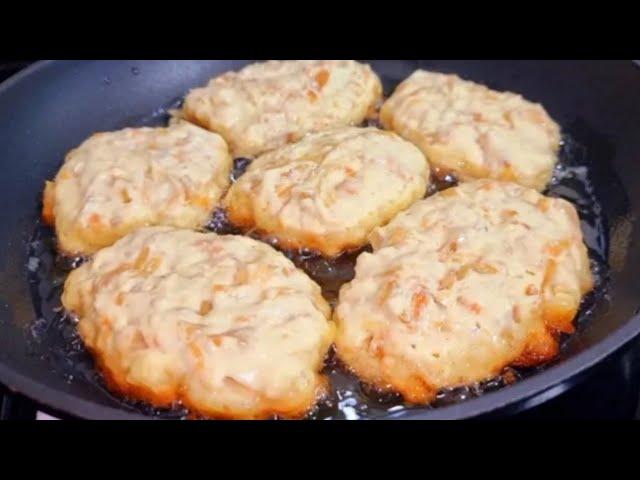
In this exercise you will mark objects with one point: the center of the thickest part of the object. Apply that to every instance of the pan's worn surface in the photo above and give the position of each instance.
(53, 106)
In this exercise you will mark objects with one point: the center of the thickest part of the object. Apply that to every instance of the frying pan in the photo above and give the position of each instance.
(52, 106)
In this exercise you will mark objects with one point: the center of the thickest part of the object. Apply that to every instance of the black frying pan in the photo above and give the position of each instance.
(53, 106)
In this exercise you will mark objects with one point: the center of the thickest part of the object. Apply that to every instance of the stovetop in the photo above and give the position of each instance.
(610, 391)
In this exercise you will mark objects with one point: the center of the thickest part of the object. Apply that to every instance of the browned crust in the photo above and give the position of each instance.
(542, 347)
(390, 374)
(556, 313)
(172, 397)
(175, 394)
(305, 240)
(48, 202)
(328, 245)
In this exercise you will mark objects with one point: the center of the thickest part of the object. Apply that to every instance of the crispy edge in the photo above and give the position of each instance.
(240, 212)
(172, 397)
(386, 373)
(48, 203)
(332, 246)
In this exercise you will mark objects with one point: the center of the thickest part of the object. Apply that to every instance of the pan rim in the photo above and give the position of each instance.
(16, 77)
(545, 381)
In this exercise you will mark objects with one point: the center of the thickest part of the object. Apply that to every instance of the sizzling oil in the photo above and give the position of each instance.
(54, 339)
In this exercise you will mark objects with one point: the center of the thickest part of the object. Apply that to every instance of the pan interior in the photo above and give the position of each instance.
(586, 175)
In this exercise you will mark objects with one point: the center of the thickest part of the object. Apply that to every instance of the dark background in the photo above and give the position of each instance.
(611, 390)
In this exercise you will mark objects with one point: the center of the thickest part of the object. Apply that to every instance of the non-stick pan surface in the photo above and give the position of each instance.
(53, 106)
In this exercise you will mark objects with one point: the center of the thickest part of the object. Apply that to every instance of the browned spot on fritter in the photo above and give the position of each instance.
(322, 77)
(419, 301)
(205, 307)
